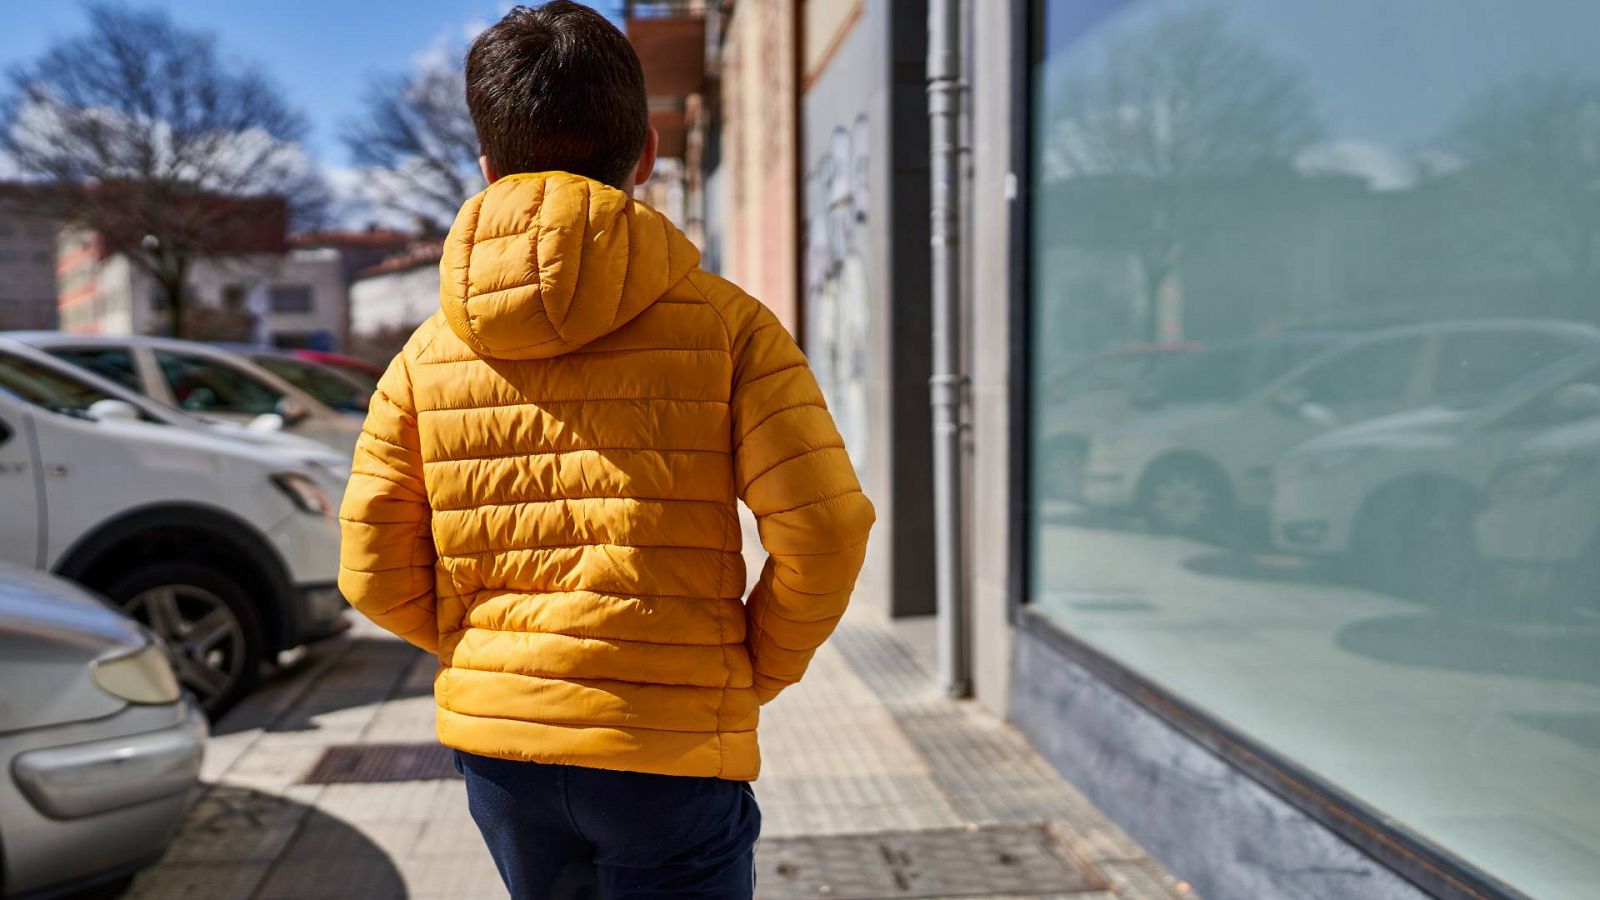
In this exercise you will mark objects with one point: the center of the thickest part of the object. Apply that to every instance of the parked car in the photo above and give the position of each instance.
(202, 380)
(366, 374)
(1539, 529)
(150, 411)
(1204, 466)
(1398, 493)
(1086, 393)
(101, 751)
(226, 549)
(340, 389)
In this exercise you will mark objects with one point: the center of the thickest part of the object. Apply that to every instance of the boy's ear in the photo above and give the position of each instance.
(489, 174)
(647, 159)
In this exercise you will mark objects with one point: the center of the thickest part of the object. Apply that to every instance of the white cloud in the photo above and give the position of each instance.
(1382, 167)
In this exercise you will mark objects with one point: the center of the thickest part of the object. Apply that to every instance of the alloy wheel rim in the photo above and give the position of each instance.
(202, 632)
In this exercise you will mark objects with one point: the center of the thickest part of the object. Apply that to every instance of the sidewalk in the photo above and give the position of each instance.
(861, 747)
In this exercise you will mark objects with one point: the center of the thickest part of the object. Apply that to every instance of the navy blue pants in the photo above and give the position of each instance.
(569, 832)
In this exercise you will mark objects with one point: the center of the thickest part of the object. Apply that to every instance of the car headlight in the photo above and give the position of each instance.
(143, 676)
(305, 493)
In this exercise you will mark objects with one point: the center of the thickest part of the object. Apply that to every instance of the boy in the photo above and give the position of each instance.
(545, 494)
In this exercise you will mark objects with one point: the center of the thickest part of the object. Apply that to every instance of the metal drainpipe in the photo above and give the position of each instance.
(947, 383)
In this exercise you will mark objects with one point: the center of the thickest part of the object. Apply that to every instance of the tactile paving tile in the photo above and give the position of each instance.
(1011, 860)
(374, 763)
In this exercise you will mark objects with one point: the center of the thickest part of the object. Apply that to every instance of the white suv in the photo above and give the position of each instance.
(225, 547)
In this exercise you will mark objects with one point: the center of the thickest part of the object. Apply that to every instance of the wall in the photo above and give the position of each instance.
(27, 270)
(384, 306)
(865, 220)
(991, 260)
(758, 236)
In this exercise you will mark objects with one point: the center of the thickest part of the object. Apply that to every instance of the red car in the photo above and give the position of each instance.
(359, 369)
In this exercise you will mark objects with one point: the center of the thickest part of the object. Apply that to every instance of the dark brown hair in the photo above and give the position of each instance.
(558, 87)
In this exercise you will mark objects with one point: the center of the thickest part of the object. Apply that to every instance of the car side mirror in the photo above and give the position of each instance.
(291, 411)
(266, 422)
(113, 410)
(1579, 400)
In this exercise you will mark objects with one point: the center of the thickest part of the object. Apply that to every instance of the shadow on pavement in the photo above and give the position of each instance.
(241, 843)
(337, 674)
(1542, 651)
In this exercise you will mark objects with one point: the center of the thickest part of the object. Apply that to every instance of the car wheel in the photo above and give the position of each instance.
(1418, 545)
(207, 620)
(1186, 497)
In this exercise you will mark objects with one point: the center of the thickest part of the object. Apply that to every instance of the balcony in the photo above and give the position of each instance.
(670, 38)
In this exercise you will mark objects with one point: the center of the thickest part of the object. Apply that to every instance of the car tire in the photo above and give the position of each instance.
(1417, 544)
(1186, 496)
(207, 619)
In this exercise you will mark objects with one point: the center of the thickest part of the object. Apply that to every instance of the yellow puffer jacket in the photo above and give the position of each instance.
(545, 492)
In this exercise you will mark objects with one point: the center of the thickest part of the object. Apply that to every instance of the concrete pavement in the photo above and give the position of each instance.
(862, 747)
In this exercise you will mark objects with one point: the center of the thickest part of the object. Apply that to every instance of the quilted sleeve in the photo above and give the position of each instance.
(794, 474)
(386, 552)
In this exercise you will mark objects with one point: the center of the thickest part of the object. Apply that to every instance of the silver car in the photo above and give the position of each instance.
(101, 752)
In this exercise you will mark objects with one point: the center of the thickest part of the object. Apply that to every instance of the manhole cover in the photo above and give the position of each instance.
(372, 763)
(1015, 860)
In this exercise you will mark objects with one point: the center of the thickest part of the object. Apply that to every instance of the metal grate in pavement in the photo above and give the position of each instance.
(1011, 860)
(375, 763)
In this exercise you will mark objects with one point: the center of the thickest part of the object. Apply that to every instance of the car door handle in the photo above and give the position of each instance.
(58, 471)
(13, 468)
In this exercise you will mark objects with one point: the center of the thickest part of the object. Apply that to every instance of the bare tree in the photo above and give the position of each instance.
(1534, 145)
(1174, 105)
(416, 144)
(154, 136)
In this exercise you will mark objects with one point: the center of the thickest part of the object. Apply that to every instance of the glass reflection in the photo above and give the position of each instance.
(1316, 434)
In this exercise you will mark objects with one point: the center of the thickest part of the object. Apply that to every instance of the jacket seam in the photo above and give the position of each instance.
(586, 352)
(538, 453)
(819, 502)
(585, 725)
(474, 506)
(750, 482)
(783, 409)
(468, 554)
(591, 637)
(549, 676)
(477, 406)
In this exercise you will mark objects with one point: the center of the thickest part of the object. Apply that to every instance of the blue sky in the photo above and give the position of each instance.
(322, 52)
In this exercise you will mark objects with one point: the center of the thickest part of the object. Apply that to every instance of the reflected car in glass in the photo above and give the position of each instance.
(100, 748)
(1207, 467)
(1397, 494)
(1539, 530)
(1092, 392)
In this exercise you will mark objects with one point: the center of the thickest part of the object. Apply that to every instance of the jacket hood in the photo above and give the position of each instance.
(540, 264)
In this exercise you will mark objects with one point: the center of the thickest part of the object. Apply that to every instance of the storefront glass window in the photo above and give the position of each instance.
(1315, 438)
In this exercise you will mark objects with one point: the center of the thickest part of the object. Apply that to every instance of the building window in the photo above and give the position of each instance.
(292, 298)
(1315, 373)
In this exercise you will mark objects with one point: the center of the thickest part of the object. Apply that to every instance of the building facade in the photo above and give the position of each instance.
(389, 300)
(300, 294)
(27, 263)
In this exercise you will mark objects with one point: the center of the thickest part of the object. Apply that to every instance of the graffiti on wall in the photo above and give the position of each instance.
(838, 303)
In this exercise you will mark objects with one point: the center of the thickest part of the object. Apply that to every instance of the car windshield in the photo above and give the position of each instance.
(47, 388)
(317, 380)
